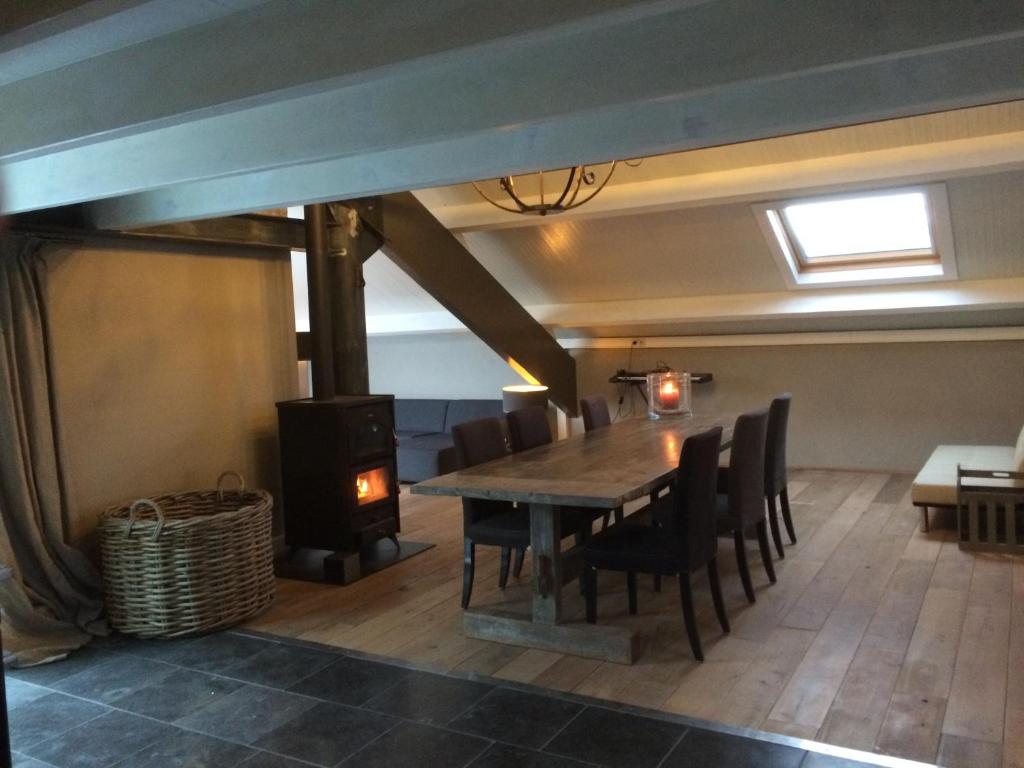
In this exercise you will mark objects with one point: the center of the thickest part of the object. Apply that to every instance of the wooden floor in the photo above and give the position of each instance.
(876, 636)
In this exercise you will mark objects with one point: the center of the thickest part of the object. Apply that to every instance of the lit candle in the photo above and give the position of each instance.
(669, 395)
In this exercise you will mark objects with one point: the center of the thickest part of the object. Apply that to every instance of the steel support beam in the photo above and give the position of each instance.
(351, 245)
(421, 246)
(320, 321)
(658, 77)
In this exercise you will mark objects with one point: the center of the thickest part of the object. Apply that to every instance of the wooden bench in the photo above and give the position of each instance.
(936, 484)
(990, 511)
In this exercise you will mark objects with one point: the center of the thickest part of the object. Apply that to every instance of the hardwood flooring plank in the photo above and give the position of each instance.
(863, 639)
(893, 624)
(928, 667)
(954, 567)
(757, 689)
(856, 715)
(960, 752)
(977, 697)
(912, 727)
(1013, 744)
(527, 666)
(567, 673)
(490, 658)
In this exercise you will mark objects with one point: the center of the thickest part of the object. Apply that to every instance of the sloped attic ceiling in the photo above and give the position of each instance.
(648, 265)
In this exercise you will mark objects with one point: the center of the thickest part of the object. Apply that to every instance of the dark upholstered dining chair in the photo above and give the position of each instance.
(492, 522)
(595, 412)
(596, 415)
(741, 502)
(684, 542)
(486, 521)
(775, 479)
(529, 428)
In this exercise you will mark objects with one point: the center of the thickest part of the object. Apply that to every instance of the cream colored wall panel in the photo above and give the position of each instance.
(167, 365)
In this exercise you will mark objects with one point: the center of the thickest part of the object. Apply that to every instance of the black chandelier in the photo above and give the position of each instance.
(581, 185)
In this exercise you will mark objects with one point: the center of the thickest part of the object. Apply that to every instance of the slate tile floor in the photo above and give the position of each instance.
(234, 699)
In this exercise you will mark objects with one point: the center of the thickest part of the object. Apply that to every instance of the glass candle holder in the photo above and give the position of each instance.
(668, 394)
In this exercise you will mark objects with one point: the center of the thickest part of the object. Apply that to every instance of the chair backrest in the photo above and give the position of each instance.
(746, 468)
(528, 428)
(595, 412)
(693, 521)
(476, 442)
(775, 447)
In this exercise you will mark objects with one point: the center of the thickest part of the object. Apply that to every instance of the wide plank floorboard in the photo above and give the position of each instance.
(877, 636)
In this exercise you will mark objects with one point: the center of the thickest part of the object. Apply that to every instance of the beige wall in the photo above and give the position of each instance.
(857, 406)
(862, 406)
(167, 365)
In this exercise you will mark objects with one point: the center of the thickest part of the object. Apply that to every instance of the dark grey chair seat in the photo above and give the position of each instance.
(684, 542)
(494, 522)
(648, 547)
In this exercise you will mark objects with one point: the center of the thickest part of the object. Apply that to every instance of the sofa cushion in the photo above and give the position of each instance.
(434, 442)
(935, 484)
(420, 416)
(426, 456)
(406, 434)
(460, 411)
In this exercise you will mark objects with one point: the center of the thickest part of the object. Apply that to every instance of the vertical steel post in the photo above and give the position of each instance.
(351, 366)
(320, 324)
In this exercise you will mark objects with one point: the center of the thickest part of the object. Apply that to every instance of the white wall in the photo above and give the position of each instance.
(443, 365)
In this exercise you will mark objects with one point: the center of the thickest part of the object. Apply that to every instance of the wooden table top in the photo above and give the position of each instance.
(604, 468)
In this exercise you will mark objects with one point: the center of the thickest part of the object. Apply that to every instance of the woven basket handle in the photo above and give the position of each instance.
(220, 482)
(152, 505)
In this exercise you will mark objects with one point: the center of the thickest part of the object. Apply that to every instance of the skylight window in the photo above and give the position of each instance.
(888, 235)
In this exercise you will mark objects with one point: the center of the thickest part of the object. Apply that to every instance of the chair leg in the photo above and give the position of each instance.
(631, 588)
(766, 550)
(468, 568)
(517, 567)
(741, 564)
(590, 592)
(657, 582)
(686, 596)
(716, 594)
(605, 520)
(787, 518)
(773, 520)
(506, 560)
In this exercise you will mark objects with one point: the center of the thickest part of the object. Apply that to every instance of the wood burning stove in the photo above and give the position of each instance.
(339, 485)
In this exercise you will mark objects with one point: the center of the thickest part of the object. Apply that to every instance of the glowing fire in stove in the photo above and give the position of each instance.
(373, 485)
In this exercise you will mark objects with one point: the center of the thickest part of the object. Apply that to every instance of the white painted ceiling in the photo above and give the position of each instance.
(580, 266)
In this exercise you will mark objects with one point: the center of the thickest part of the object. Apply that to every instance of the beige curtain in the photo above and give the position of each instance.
(52, 601)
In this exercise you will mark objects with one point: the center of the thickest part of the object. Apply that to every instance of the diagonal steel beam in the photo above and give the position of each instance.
(425, 250)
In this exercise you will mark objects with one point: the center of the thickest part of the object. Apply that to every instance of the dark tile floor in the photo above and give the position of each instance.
(234, 699)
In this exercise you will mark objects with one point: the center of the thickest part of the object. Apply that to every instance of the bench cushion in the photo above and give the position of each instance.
(935, 484)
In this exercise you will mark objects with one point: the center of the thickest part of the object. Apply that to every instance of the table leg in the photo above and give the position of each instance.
(546, 543)
(545, 628)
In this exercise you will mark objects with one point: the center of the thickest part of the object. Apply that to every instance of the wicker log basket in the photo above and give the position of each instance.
(187, 563)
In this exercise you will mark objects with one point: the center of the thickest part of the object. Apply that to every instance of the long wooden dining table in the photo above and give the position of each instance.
(603, 469)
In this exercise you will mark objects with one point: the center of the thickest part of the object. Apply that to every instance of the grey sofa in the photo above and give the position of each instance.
(425, 447)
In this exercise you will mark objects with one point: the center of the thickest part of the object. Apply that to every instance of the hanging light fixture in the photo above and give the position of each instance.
(573, 187)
